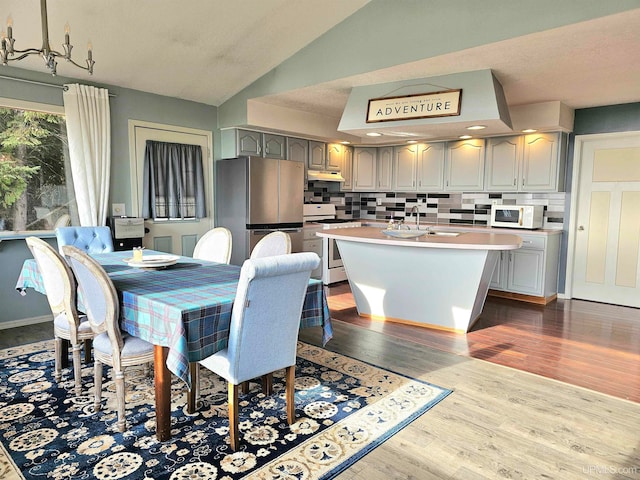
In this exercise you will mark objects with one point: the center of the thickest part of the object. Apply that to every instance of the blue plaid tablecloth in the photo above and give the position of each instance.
(185, 307)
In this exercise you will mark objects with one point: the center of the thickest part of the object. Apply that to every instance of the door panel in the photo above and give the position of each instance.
(168, 236)
(607, 228)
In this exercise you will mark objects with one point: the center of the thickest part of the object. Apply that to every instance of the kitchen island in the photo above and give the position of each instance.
(436, 279)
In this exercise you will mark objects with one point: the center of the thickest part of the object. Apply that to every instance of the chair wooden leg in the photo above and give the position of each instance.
(244, 387)
(290, 391)
(233, 415)
(57, 349)
(120, 396)
(97, 381)
(77, 368)
(267, 384)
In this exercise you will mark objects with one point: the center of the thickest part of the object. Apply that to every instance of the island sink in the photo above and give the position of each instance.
(417, 233)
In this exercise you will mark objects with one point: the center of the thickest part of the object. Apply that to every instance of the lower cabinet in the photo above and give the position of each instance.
(532, 270)
(313, 243)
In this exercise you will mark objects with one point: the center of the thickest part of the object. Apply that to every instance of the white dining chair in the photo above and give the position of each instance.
(274, 243)
(68, 324)
(263, 333)
(110, 345)
(215, 246)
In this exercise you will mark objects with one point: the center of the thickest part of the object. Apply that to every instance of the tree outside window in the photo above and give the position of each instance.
(36, 189)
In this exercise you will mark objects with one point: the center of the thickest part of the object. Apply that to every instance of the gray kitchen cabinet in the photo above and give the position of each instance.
(274, 146)
(248, 142)
(430, 166)
(526, 163)
(317, 155)
(365, 166)
(531, 270)
(297, 150)
(335, 155)
(504, 157)
(543, 162)
(347, 170)
(384, 172)
(404, 168)
(465, 165)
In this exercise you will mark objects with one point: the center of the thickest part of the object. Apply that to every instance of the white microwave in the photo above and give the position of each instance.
(517, 216)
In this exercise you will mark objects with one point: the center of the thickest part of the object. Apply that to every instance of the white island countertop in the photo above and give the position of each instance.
(438, 281)
(465, 240)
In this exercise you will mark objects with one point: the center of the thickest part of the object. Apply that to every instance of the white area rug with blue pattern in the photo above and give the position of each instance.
(344, 409)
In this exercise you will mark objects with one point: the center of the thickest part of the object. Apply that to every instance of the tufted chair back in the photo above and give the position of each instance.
(87, 239)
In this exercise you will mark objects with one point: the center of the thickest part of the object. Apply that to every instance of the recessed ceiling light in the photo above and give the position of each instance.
(465, 137)
(529, 130)
(374, 134)
(476, 127)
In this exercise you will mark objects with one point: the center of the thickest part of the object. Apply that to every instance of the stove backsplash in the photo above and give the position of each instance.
(441, 208)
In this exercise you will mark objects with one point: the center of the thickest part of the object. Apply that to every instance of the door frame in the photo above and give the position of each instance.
(579, 142)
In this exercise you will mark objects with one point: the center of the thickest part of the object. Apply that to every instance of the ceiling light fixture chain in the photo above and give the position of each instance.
(7, 51)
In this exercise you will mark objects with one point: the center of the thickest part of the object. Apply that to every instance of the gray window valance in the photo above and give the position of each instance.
(173, 185)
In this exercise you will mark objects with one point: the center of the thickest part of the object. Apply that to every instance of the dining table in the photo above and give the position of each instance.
(184, 310)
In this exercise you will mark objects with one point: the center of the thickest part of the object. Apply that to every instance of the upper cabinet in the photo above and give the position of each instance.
(335, 156)
(529, 163)
(317, 155)
(543, 162)
(419, 167)
(248, 142)
(504, 157)
(465, 166)
(405, 161)
(298, 150)
(365, 167)
(430, 167)
(385, 168)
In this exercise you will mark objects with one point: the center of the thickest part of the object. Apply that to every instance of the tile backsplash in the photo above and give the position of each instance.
(441, 208)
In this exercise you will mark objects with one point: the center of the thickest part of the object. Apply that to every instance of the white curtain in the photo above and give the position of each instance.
(89, 132)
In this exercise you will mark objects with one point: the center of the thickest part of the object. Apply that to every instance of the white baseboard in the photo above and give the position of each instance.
(23, 322)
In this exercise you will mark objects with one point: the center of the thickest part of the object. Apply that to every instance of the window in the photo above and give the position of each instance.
(36, 189)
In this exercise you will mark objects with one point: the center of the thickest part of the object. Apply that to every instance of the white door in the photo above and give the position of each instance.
(177, 237)
(606, 229)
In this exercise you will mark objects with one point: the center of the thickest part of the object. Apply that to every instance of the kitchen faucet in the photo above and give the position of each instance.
(416, 210)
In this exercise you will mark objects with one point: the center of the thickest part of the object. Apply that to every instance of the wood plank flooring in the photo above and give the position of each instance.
(588, 344)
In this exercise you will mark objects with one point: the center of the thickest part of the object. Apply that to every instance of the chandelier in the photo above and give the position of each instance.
(7, 53)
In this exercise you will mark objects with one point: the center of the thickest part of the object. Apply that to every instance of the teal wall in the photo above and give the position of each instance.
(125, 105)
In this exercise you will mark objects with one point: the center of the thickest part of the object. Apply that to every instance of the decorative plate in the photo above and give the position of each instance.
(152, 261)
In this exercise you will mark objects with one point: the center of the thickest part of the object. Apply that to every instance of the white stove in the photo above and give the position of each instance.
(323, 215)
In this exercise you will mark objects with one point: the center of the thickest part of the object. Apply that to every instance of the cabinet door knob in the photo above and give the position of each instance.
(580, 228)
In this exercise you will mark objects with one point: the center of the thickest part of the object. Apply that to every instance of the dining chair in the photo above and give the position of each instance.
(68, 324)
(110, 345)
(263, 332)
(215, 246)
(63, 220)
(274, 243)
(89, 239)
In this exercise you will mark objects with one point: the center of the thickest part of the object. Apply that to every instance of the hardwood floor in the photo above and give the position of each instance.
(587, 344)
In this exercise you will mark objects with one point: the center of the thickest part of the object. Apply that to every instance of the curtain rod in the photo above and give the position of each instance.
(34, 82)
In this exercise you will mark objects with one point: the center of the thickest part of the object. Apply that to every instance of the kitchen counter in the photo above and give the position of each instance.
(432, 281)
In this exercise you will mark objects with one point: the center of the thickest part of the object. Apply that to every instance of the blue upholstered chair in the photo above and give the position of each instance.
(265, 321)
(60, 288)
(88, 239)
(110, 345)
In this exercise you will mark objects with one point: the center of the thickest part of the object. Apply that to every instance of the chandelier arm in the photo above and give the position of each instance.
(78, 65)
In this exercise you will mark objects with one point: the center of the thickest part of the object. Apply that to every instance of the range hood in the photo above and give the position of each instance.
(482, 102)
(324, 175)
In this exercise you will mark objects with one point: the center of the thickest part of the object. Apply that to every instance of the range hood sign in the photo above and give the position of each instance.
(409, 107)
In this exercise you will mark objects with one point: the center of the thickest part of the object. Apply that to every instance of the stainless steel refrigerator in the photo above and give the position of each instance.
(256, 196)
